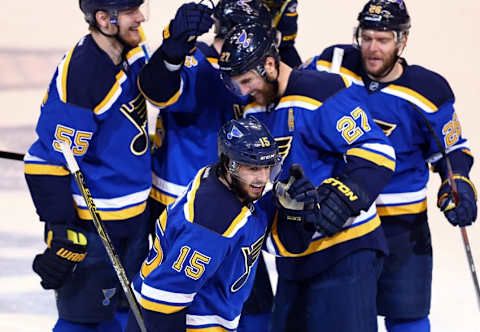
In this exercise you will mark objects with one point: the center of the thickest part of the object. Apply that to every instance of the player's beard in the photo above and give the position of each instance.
(130, 37)
(268, 94)
(238, 187)
(388, 63)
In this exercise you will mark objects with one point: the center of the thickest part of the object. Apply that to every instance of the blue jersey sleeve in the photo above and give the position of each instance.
(47, 175)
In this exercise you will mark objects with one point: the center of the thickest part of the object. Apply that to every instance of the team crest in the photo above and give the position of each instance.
(250, 255)
(243, 39)
(386, 127)
(136, 112)
(235, 132)
(284, 145)
(108, 294)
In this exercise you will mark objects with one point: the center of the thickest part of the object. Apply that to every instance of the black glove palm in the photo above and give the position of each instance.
(66, 247)
(465, 213)
(191, 20)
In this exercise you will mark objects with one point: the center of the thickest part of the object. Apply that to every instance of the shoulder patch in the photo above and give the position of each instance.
(216, 208)
(424, 88)
(91, 75)
(304, 86)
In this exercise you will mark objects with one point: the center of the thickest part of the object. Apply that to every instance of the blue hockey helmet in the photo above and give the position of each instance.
(248, 142)
(384, 15)
(246, 47)
(232, 12)
(90, 7)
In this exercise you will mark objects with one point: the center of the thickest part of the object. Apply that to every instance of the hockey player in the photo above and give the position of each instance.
(285, 17)
(183, 79)
(414, 106)
(93, 104)
(318, 121)
(203, 261)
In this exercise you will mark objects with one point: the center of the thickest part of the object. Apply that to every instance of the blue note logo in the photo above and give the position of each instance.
(243, 39)
(108, 294)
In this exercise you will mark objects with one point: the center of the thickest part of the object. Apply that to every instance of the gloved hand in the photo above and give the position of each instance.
(339, 199)
(191, 20)
(296, 199)
(465, 213)
(66, 246)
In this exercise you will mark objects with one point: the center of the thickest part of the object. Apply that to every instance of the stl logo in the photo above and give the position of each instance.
(108, 294)
(234, 133)
(243, 39)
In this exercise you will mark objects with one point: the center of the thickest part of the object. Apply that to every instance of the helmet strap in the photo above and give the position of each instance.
(113, 20)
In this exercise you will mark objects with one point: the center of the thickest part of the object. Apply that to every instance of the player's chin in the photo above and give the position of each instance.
(133, 39)
(255, 193)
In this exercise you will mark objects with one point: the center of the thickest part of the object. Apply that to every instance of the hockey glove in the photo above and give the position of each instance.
(191, 20)
(296, 199)
(66, 246)
(465, 213)
(339, 199)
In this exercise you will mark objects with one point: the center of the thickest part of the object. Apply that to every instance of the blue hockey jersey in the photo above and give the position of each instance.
(97, 108)
(320, 123)
(204, 256)
(402, 108)
(194, 104)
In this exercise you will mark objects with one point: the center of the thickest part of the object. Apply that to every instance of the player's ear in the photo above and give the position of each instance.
(270, 66)
(102, 18)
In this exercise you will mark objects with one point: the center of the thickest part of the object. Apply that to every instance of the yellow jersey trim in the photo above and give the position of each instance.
(327, 242)
(122, 214)
(289, 37)
(236, 221)
(42, 169)
(304, 99)
(169, 102)
(65, 74)
(375, 158)
(161, 197)
(159, 307)
(191, 196)
(208, 329)
(415, 95)
(398, 210)
(110, 94)
(343, 70)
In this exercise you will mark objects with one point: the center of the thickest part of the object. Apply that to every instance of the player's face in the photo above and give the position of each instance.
(252, 180)
(379, 49)
(251, 83)
(129, 22)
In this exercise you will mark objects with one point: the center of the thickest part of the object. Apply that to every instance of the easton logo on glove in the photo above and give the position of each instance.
(342, 188)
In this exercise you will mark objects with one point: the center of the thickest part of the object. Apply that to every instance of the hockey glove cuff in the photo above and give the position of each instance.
(66, 246)
(465, 213)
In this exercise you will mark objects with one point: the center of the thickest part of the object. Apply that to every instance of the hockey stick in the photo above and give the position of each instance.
(456, 201)
(11, 155)
(112, 254)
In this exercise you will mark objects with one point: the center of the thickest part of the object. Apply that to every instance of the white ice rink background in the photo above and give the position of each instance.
(444, 38)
